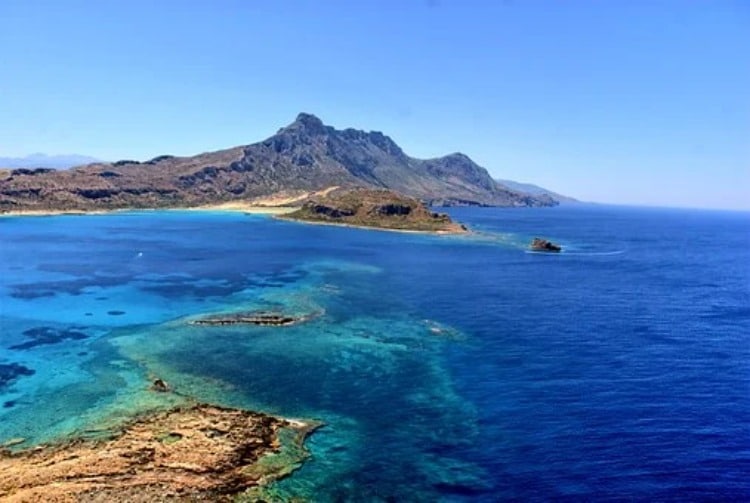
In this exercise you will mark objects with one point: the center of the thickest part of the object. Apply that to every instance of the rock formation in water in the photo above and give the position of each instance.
(261, 318)
(304, 157)
(542, 245)
(382, 209)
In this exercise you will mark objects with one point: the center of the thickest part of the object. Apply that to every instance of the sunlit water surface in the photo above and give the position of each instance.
(444, 368)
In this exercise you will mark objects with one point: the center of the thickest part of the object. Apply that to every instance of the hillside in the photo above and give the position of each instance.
(536, 190)
(383, 209)
(304, 156)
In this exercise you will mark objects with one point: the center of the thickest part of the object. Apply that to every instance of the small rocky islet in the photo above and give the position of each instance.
(543, 245)
(258, 318)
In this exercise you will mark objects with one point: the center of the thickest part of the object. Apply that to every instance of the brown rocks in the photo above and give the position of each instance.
(254, 318)
(194, 453)
(542, 245)
(304, 156)
(160, 385)
(382, 209)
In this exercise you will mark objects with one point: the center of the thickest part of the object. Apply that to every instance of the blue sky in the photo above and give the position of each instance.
(640, 102)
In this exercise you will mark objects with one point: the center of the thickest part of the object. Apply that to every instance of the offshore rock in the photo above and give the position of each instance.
(542, 245)
(261, 318)
(160, 385)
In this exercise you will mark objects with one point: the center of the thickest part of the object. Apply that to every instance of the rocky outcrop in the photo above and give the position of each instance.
(542, 245)
(198, 453)
(254, 318)
(160, 385)
(381, 209)
(328, 211)
(305, 156)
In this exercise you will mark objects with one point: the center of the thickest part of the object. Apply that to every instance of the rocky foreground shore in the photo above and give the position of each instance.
(196, 453)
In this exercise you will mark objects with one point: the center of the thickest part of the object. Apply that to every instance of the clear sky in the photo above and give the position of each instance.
(620, 101)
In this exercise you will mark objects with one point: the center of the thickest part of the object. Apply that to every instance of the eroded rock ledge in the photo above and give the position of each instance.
(200, 452)
(261, 318)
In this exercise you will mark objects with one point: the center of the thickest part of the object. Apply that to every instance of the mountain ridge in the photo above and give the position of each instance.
(306, 155)
(534, 189)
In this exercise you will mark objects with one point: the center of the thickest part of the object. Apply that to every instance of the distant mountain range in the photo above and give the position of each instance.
(303, 157)
(46, 161)
(536, 190)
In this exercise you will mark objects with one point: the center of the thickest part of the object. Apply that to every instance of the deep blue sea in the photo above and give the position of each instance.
(445, 368)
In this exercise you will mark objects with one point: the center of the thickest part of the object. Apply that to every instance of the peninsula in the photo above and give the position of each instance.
(381, 209)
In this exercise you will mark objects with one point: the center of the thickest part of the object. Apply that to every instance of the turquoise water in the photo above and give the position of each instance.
(445, 368)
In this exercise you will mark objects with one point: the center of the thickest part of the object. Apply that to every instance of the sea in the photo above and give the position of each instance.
(444, 368)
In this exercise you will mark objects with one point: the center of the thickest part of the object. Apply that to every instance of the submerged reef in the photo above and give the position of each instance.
(41, 336)
(9, 372)
(198, 452)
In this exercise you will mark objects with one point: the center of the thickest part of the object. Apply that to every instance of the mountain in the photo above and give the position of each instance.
(46, 161)
(536, 190)
(302, 157)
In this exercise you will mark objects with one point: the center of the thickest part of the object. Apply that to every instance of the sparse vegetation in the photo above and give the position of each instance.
(159, 158)
(382, 209)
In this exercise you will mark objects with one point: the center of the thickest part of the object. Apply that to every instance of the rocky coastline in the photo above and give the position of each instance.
(197, 452)
(379, 209)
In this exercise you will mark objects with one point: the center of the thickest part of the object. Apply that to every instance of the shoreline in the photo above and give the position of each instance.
(166, 450)
(373, 228)
(235, 207)
(276, 212)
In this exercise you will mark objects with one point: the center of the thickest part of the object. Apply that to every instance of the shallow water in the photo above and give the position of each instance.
(445, 368)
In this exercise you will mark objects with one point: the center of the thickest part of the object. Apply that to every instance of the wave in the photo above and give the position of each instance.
(577, 253)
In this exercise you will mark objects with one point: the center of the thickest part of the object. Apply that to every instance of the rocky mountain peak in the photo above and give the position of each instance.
(385, 143)
(459, 157)
(309, 120)
(306, 155)
(307, 124)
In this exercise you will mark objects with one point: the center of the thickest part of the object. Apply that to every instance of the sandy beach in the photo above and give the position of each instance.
(273, 204)
(230, 206)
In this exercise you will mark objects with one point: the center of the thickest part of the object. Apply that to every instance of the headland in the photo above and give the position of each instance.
(379, 209)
